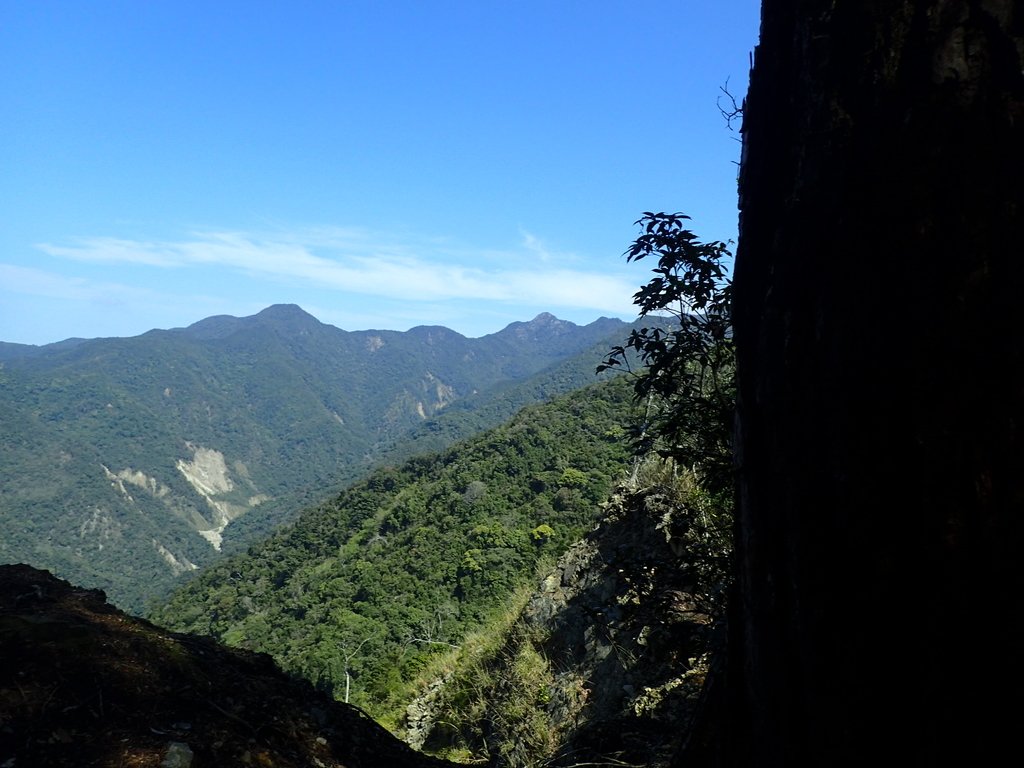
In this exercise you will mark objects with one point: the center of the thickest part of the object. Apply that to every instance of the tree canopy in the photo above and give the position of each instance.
(687, 382)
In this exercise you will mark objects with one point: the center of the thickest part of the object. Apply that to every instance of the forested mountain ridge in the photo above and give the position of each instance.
(359, 594)
(128, 462)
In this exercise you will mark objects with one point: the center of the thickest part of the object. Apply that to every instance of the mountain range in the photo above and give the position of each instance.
(130, 462)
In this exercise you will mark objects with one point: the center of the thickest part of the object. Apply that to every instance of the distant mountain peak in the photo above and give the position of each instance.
(544, 325)
(284, 310)
(546, 318)
(285, 316)
(288, 319)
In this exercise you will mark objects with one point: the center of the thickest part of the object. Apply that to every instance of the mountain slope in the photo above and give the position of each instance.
(129, 462)
(83, 684)
(359, 594)
(605, 662)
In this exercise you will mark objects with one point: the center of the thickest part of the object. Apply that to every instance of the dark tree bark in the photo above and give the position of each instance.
(879, 321)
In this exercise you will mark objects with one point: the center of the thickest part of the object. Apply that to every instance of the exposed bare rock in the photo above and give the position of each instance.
(607, 661)
(628, 628)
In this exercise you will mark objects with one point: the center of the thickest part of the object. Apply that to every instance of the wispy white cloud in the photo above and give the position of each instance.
(535, 245)
(360, 262)
(37, 282)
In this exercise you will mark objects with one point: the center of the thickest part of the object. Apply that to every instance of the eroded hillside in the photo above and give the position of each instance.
(130, 462)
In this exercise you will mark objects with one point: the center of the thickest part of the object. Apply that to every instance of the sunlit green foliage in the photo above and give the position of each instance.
(365, 589)
(494, 705)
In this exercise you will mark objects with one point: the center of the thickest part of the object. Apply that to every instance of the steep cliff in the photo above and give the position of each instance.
(607, 659)
(880, 362)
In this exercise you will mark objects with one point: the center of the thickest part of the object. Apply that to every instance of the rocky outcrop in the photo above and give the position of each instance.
(83, 684)
(608, 658)
(421, 714)
(627, 624)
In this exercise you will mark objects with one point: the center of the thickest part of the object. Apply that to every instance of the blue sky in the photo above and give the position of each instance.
(381, 164)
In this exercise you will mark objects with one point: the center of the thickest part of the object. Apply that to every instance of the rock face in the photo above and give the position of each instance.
(606, 662)
(880, 363)
(626, 625)
(83, 684)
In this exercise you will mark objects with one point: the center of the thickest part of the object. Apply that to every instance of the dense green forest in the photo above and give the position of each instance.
(360, 592)
(126, 462)
(459, 420)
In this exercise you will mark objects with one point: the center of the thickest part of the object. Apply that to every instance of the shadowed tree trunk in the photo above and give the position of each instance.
(879, 321)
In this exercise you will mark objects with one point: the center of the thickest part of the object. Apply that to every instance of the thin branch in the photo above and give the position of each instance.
(732, 111)
(432, 642)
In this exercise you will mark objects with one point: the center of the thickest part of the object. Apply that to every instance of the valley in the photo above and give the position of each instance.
(411, 559)
(484, 549)
(128, 463)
